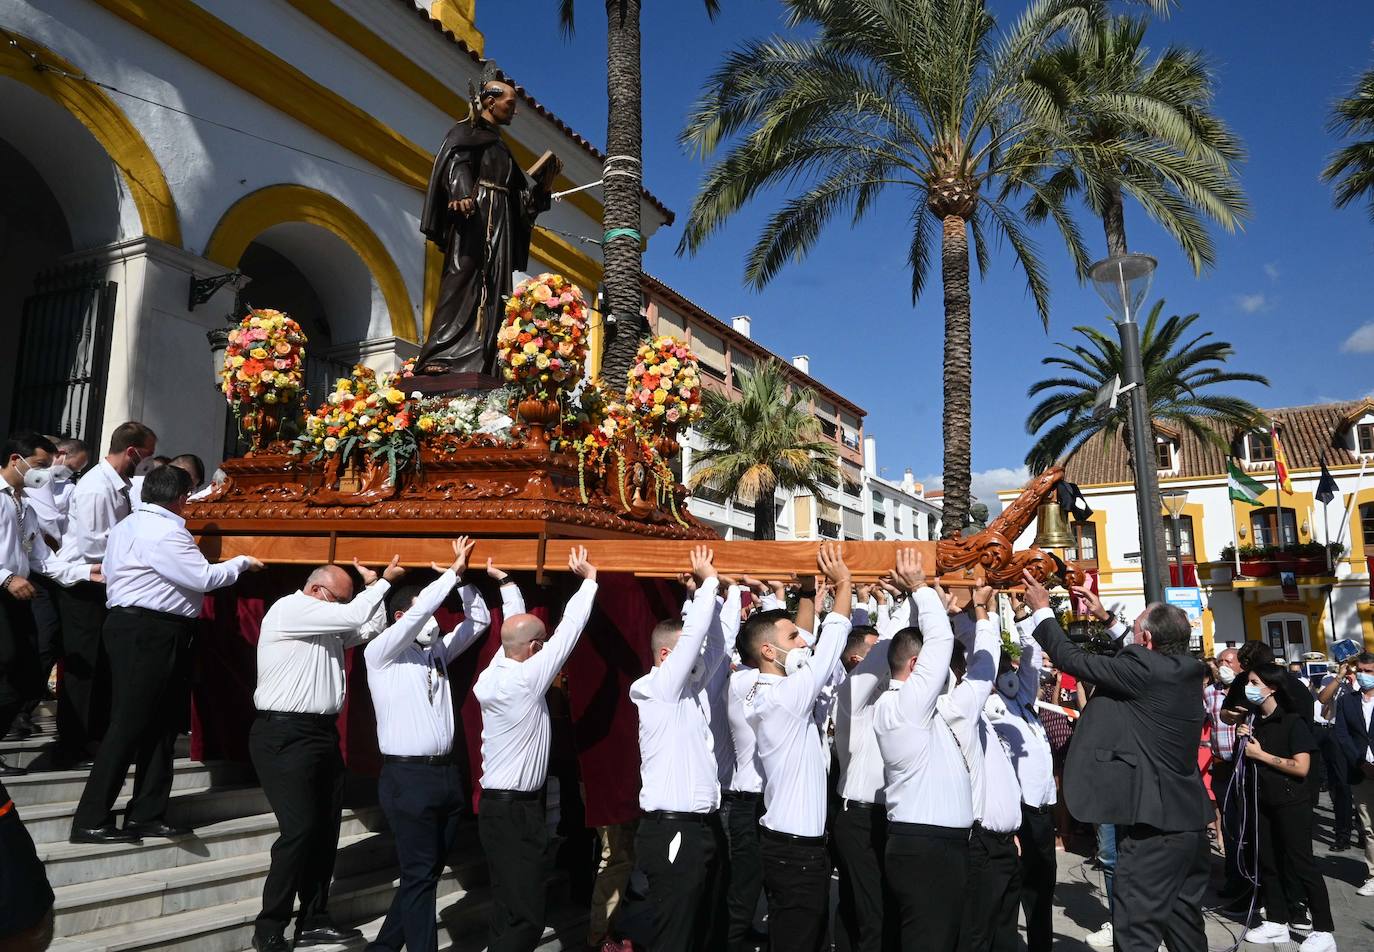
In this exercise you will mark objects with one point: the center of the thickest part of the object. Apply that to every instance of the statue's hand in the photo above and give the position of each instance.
(463, 206)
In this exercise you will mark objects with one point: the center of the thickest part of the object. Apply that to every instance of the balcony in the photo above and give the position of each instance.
(710, 495)
(828, 529)
(828, 428)
(850, 442)
(879, 518)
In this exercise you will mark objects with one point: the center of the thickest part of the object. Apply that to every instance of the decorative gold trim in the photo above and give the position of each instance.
(258, 211)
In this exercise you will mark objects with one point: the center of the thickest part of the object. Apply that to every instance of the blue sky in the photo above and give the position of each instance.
(1292, 291)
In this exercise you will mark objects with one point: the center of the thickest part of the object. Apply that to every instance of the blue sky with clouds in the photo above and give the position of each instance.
(1292, 291)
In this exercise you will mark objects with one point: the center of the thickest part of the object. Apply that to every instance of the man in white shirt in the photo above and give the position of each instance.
(421, 789)
(511, 820)
(680, 843)
(294, 743)
(155, 581)
(24, 556)
(796, 866)
(101, 499)
(927, 783)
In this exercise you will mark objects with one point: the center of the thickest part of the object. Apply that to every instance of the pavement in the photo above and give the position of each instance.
(1081, 903)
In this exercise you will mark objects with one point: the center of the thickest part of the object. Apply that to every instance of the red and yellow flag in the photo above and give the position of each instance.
(1281, 462)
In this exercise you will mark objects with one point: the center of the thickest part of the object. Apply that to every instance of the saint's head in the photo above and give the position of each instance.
(496, 95)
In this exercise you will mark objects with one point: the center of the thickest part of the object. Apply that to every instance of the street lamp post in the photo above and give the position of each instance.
(1123, 281)
(1174, 501)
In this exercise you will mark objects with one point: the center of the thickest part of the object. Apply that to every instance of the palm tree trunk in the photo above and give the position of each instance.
(1114, 222)
(765, 516)
(623, 176)
(958, 373)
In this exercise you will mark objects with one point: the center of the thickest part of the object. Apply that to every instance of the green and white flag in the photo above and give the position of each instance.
(1241, 487)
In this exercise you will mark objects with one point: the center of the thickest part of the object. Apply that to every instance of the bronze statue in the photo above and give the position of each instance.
(480, 210)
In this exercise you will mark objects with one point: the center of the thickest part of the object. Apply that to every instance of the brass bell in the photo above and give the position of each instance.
(1051, 528)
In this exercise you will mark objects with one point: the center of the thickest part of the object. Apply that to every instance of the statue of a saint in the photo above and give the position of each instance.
(480, 210)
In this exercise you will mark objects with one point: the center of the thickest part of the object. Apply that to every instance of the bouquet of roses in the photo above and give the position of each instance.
(542, 343)
(665, 384)
(264, 362)
(364, 411)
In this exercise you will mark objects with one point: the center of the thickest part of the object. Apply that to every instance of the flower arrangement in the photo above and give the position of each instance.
(462, 415)
(542, 343)
(264, 362)
(664, 386)
(363, 412)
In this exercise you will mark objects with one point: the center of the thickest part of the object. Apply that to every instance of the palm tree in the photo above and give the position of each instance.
(924, 97)
(622, 182)
(1352, 168)
(1179, 375)
(1142, 128)
(768, 439)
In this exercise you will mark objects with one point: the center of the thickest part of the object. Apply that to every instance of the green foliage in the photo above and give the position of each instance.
(1180, 369)
(1351, 168)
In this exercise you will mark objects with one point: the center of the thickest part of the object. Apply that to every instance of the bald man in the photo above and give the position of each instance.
(515, 761)
(294, 743)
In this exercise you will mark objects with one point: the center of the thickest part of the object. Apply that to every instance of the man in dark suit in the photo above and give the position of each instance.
(1133, 763)
(1352, 717)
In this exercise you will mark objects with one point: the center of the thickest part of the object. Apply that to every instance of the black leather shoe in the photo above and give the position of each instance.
(271, 943)
(157, 828)
(101, 834)
(7, 770)
(326, 935)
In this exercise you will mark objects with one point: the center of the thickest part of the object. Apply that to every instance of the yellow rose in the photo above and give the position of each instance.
(394, 397)
(330, 444)
(238, 361)
(531, 348)
(258, 353)
(660, 396)
(517, 360)
(542, 362)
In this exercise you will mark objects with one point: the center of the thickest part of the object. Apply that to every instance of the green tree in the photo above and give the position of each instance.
(1140, 127)
(1351, 169)
(1181, 373)
(623, 182)
(918, 99)
(768, 439)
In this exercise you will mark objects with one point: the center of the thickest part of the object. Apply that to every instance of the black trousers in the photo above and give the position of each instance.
(1285, 852)
(150, 664)
(1337, 781)
(796, 879)
(515, 837)
(423, 804)
(301, 771)
(18, 667)
(681, 859)
(83, 704)
(1160, 881)
(49, 624)
(1238, 856)
(929, 867)
(991, 902)
(742, 812)
(860, 842)
(1039, 868)
(23, 882)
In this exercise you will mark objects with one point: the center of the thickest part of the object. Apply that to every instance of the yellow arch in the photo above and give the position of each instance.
(258, 211)
(105, 121)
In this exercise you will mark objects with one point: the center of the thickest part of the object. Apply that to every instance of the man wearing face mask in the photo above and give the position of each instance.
(1354, 717)
(100, 501)
(515, 761)
(680, 844)
(23, 556)
(421, 790)
(796, 866)
(1223, 741)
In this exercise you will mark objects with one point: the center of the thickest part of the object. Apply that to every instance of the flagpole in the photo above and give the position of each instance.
(1278, 483)
(1235, 539)
(1359, 484)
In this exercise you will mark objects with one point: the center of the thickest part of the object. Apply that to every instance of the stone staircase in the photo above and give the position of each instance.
(202, 893)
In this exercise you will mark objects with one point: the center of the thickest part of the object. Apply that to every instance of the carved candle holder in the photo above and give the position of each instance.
(261, 424)
(538, 415)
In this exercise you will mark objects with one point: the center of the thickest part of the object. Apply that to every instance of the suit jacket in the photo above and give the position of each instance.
(1133, 758)
(1352, 733)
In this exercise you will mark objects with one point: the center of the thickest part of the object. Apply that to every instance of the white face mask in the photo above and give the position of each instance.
(1226, 674)
(1007, 683)
(796, 659)
(426, 636)
(61, 473)
(36, 478)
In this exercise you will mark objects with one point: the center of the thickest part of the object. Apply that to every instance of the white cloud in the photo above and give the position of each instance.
(1252, 303)
(1360, 342)
(987, 484)
(1272, 270)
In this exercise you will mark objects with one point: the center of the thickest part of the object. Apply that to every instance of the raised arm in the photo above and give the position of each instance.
(476, 620)
(675, 672)
(724, 629)
(546, 664)
(982, 653)
(1028, 668)
(921, 690)
(799, 690)
(512, 601)
(386, 647)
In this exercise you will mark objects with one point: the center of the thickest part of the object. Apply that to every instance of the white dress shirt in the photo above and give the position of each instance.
(515, 715)
(300, 650)
(787, 743)
(100, 500)
(23, 549)
(152, 562)
(961, 706)
(678, 769)
(1021, 729)
(747, 776)
(1366, 709)
(409, 681)
(856, 744)
(998, 805)
(49, 503)
(927, 779)
(724, 630)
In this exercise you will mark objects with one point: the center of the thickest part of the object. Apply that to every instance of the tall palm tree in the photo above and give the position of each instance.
(623, 178)
(1352, 168)
(769, 439)
(1181, 371)
(1143, 128)
(921, 97)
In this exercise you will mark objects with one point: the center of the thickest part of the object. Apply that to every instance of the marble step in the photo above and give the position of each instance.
(36, 752)
(228, 927)
(69, 863)
(194, 807)
(59, 786)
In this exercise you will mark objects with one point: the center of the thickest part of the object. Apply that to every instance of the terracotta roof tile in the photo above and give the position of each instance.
(1306, 432)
